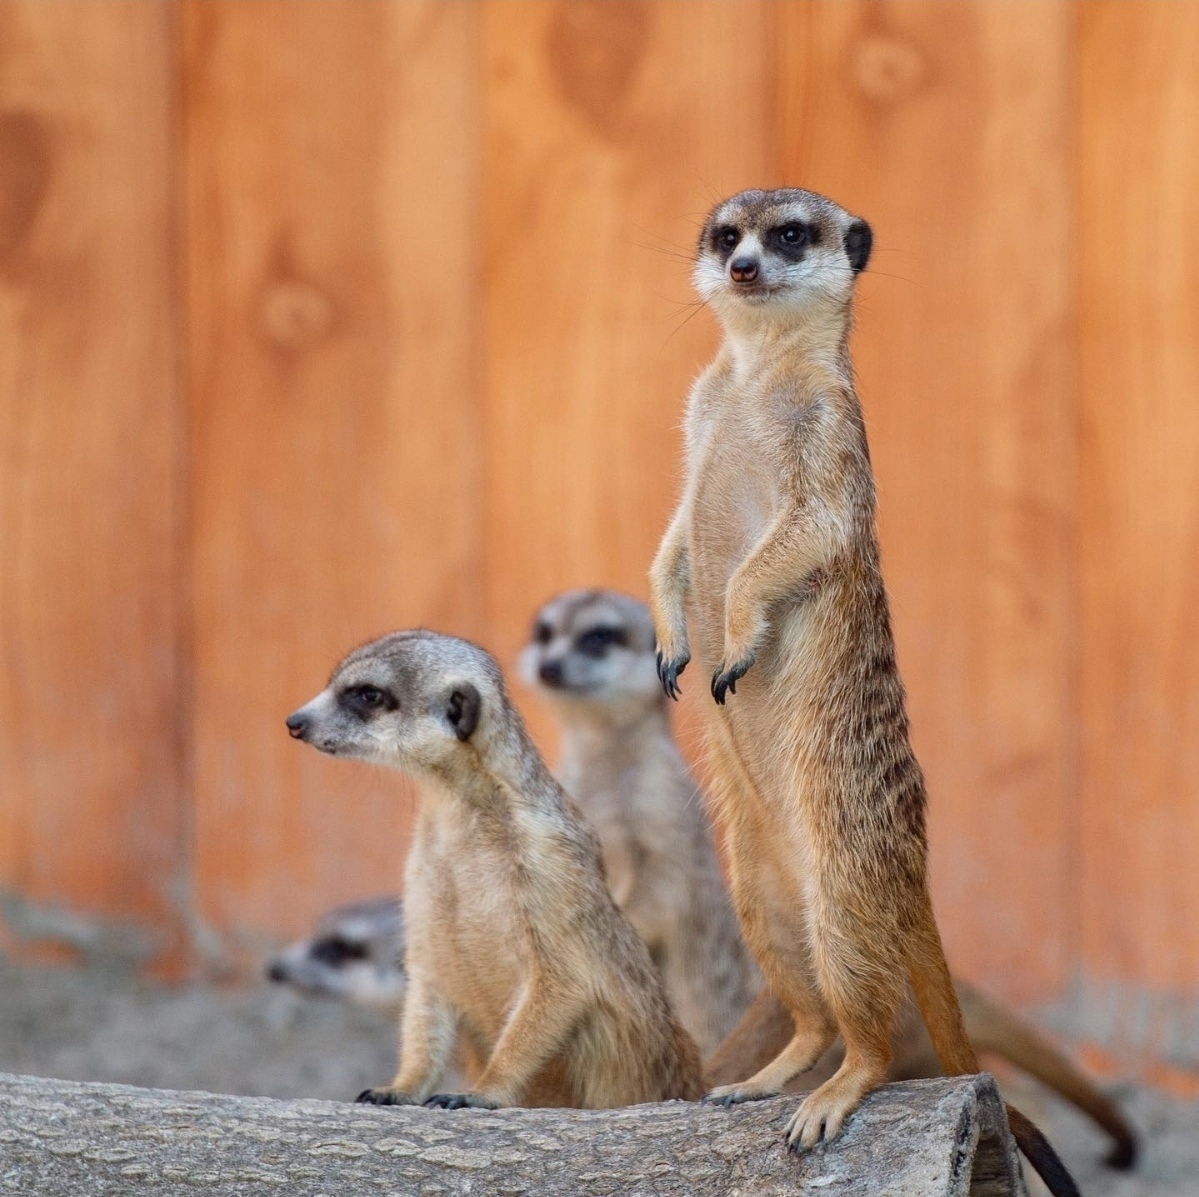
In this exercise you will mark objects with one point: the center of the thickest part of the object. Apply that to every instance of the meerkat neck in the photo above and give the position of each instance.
(598, 722)
(510, 774)
(816, 332)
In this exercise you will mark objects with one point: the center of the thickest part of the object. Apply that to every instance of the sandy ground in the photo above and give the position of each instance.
(264, 1040)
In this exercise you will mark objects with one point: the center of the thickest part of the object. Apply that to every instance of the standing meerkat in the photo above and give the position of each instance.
(512, 938)
(773, 549)
(592, 656)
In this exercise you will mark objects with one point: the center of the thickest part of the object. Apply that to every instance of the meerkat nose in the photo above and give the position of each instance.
(550, 672)
(298, 726)
(743, 270)
(275, 971)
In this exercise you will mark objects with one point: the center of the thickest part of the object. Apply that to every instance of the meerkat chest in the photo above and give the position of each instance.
(463, 927)
(736, 497)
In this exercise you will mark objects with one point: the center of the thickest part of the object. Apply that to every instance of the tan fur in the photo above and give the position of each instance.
(774, 552)
(767, 1027)
(513, 939)
(591, 656)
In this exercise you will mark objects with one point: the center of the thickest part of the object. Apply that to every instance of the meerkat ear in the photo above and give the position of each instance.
(462, 710)
(858, 240)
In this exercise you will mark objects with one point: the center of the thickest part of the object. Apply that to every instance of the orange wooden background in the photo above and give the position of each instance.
(324, 317)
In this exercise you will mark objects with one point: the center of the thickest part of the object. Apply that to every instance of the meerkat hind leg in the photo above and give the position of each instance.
(815, 1031)
(804, 1049)
(823, 1112)
(865, 1011)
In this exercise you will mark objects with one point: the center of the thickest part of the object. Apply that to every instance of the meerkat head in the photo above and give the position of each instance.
(770, 254)
(593, 647)
(355, 954)
(411, 701)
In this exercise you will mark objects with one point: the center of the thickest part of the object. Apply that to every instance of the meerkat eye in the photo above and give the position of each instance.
(542, 632)
(362, 700)
(726, 237)
(794, 234)
(596, 641)
(336, 950)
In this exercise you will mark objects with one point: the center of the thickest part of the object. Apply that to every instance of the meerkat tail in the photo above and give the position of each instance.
(942, 1014)
(994, 1029)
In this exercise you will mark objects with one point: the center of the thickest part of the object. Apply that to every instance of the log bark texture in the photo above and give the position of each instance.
(939, 1138)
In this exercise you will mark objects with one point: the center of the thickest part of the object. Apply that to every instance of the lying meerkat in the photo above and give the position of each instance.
(512, 938)
(355, 954)
(592, 656)
(773, 551)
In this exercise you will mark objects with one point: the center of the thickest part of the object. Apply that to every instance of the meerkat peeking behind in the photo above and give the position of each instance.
(513, 939)
(773, 550)
(591, 655)
(354, 955)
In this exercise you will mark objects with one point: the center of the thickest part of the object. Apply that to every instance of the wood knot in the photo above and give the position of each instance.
(296, 314)
(25, 160)
(595, 47)
(887, 69)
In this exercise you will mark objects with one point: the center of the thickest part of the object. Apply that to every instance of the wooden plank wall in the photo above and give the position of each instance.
(321, 318)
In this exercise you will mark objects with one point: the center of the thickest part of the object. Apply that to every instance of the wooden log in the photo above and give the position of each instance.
(939, 1138)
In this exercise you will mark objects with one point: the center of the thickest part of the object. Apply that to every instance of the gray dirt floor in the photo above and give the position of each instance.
(88, 1025)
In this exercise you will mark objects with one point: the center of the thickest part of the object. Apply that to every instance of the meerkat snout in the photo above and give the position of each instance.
(298, 725)
(550, 672)
(744, 269)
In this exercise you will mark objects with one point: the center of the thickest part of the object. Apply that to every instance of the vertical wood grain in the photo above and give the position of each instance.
(611, 128)
(90, 710)
(331, 154)
(948, 127)
(1138, 289)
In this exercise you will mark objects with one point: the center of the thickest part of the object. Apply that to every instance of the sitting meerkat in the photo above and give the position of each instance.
(512, 938)
(592, 656)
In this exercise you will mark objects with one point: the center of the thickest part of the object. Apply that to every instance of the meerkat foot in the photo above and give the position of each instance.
(385, 1097)
(725, 680)
(734, 1095)
(461, 1101)
(668, 673)
(823, 1113)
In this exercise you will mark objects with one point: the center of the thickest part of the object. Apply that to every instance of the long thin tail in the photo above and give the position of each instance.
(938, 1003)
(992, 1028)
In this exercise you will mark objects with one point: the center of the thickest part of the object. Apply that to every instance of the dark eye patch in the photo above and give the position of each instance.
(792, 238)
(365, 700)
(596, 641)
(336, 950)
(725, 239)
(542, 632)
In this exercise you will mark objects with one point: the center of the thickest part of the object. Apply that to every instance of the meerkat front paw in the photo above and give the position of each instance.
(461, 1101)
(386, 1097)
(669, 670)
(725, 679)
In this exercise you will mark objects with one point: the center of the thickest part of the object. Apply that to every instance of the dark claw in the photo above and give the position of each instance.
(668, 674)
(726, 1101)
(376, 1097)
(725, 680)
(447, 1101)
